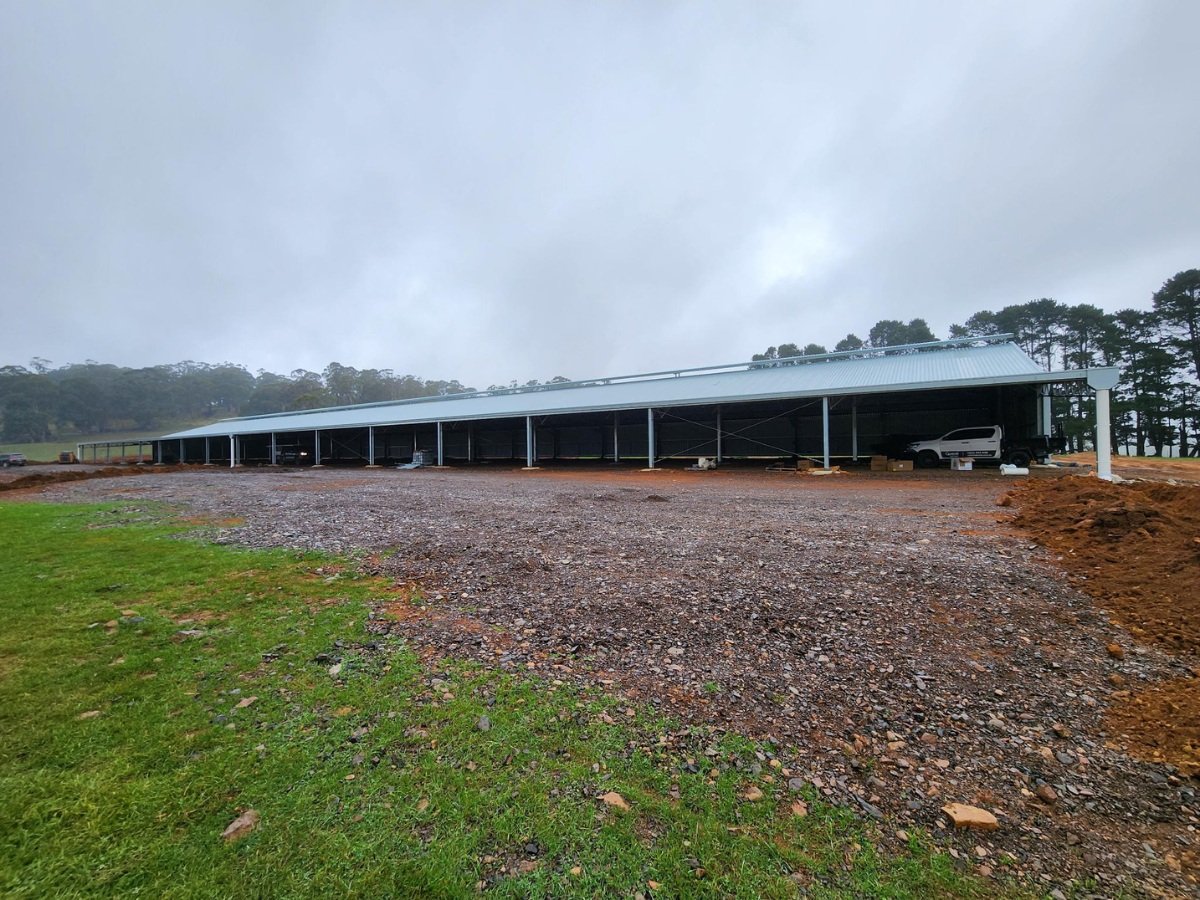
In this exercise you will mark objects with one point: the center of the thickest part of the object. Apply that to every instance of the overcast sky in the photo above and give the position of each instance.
(490, 191)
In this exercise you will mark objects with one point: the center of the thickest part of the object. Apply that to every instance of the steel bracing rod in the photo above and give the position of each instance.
(333, 443)
(756, 422)
(687, 451)
(737, 434)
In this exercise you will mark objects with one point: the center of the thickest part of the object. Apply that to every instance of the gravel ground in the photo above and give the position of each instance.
(895, 639)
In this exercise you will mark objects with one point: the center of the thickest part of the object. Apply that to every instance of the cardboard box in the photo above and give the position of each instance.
(900, 465)
(879, 463)
(962, 464)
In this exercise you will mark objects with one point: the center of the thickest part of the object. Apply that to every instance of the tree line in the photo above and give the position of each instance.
(1155, 407)
(39, 402)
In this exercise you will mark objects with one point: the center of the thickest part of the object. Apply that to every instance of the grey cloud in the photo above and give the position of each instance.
(488, 191)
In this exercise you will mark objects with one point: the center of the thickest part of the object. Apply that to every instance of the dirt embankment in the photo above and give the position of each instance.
(59, 476)
(1137, 546)
(1136, 549)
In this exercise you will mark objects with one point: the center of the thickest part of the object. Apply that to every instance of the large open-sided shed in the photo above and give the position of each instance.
(837, 405)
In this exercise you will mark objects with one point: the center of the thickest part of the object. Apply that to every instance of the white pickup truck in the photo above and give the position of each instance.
(984, 442)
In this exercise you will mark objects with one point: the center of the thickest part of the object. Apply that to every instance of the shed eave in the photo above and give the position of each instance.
(261, 425)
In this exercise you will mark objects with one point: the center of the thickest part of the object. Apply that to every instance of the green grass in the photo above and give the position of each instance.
(370, 782)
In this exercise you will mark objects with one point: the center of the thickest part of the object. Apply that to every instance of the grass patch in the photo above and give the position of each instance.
(127, 745)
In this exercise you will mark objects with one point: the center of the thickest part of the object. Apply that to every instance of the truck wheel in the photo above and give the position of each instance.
(927, 459)
(1020, 458)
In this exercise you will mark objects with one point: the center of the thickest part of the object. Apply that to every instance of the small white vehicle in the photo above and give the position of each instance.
(984, 442)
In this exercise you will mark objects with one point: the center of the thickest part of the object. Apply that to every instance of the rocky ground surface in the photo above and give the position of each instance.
(891, 639)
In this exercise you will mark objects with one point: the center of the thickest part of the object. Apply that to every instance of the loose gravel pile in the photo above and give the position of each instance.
(895, 639)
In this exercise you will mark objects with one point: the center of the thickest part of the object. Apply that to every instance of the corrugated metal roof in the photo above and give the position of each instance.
(944, 368)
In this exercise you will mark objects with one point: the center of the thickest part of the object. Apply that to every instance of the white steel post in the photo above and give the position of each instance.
(1102, 381)
(182, 452)
(470, 443)
(854, 429)
(825, 428)
(616, 437)
(530, 449)
(649, 438)
(208, 451)
(274, 450)
(441, 461)
(232, 451)
(1047, 413)
(1103, 436)
(316, 447)
(720, 427)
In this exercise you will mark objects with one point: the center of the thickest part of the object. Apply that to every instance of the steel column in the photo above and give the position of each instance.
(854, 429)
(720, 433)
(1103, 436)
(616, 437)
(316, 447)
(649, 438)
(470, 443)
(232, 451)
(274, 450)
(1047, 412)
(530, 448)
(825, 428)
(208, 451)
(182, 452)
(441, 461)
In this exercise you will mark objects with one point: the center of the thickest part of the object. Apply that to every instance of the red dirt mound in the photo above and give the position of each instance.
(1162, 723)
(1138, 546)
(40, 479)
